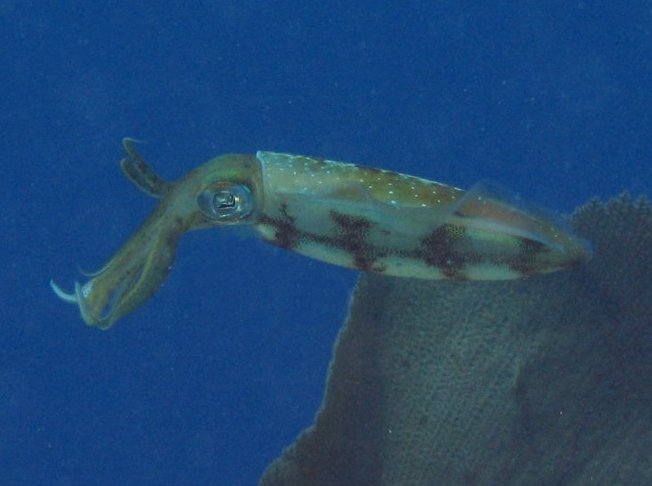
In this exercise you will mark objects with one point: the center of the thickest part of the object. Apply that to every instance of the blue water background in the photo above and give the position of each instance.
(211, 378)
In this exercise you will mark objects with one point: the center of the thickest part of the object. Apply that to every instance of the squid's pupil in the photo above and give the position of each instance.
(223, 200)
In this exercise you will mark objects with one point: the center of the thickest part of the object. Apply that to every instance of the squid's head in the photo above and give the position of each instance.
(221, 192)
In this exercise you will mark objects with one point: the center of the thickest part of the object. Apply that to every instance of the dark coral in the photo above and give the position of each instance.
(545, 380)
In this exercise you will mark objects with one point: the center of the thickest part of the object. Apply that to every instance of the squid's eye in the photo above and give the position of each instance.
(227, 203)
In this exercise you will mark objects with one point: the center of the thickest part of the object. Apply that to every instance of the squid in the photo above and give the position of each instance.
(364, 218)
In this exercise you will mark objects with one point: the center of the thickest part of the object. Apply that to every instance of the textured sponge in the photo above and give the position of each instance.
(539, 381)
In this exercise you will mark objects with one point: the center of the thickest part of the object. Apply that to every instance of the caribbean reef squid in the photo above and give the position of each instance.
(359, 217)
